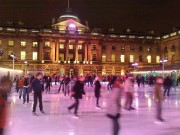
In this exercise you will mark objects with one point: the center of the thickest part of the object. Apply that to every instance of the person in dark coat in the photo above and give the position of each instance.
(167, 85)
(61, 79)
(5, 86)
(48, 84)
(97, 91)
(77, 92)
(67, 81)
(38, 88)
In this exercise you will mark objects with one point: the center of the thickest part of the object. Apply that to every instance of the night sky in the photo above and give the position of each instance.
(140, 15)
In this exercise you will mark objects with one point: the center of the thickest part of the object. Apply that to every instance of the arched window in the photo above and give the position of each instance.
(173, 48)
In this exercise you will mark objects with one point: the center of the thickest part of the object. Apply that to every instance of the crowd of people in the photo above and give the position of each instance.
(74, 87)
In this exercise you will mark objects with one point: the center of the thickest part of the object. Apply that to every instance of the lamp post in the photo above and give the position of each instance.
(163, 61)
(134, 65)
(26, 64)
(13, 56)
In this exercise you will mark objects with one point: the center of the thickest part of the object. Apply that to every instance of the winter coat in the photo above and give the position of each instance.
(97, 88)
(78, 90)
(115, 101)
(158, 93)
(37, 85)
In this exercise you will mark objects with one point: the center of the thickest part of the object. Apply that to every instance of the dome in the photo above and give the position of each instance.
(68, 15)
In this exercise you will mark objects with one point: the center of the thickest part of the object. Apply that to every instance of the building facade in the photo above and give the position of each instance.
(70, 47)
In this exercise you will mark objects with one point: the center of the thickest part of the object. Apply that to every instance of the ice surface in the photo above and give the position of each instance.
(58, 121)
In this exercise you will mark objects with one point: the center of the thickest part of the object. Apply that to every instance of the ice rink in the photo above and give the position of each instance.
(58, 121)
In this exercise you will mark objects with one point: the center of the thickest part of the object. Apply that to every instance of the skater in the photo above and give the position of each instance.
(167, 85)
(20, 85)
(129, 90)
(115, 104)
(38, 88)
(158, 96)
(26, 85)
(48, 84)
(61, 84)
(67, 80)
(97, 91)
(5, 86)
(77, 92)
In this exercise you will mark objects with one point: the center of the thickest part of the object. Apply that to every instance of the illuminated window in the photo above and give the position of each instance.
(35, 44)
(47, 44)
(122, 58)
(131, 58)
(23, 43)
(80, 57)
(61, 46)
(71, 56)
(11, 43)
(79, 47)
(34, 55)
(61, 57)
(103, 58)
(0, 42)
(157, 59)
(70, 46)
(23, 55)
(113, 58)
(149, 58)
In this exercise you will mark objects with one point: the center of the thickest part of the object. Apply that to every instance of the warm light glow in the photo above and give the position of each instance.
(122, 58)
(6, 69)
(72, 25)
(157, 59)
(149, 58)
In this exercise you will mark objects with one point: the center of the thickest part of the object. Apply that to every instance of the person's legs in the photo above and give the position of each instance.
(76, 106)
(159, 111)
(115, 126)
(24, 95)
(27, 93)
(40, 101)
(97, 101)
(168, 91)
(35, 102)
(72, 106)
(1, 131)
(165, 90)
(20, 92)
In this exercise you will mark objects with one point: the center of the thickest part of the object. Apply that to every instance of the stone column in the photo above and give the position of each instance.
(89, 53)
(67, 52)
(76, 52)
(57, 51)
(53, 48)
(41, 51)
(85, 52)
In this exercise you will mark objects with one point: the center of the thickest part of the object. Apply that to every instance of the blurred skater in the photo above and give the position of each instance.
(77, 92)
(158, 96)
(97, 91)
(115, 104)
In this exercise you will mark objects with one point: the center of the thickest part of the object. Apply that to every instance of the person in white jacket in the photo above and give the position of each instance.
(129, 90)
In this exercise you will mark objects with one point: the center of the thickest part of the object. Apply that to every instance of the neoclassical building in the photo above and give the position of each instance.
(70, 47)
